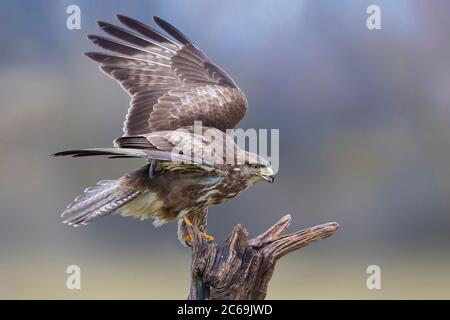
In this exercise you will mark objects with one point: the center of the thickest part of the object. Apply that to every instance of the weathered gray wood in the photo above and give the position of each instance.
(242, 268)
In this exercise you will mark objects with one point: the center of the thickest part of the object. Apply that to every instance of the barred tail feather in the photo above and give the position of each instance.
(97, 201)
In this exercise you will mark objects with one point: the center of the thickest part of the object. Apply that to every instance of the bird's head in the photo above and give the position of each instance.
(256, 169)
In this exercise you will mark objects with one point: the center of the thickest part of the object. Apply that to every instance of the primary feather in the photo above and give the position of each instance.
(171, 82)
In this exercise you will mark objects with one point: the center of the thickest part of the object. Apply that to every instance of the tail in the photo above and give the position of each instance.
(98, 201)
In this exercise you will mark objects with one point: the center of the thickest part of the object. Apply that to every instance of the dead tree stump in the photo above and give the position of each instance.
(241, 268)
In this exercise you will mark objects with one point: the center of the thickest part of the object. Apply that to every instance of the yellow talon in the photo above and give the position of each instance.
(207, 236)
(187, 239)
(187, 221)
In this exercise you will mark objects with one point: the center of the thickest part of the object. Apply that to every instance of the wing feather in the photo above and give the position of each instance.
(172, 83)
(145, 30)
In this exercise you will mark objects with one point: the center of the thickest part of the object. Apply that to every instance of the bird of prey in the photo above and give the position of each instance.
(172, 85)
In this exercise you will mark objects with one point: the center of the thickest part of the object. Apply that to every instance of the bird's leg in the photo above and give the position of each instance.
(205, 235)
(187, 221)
(151, 170)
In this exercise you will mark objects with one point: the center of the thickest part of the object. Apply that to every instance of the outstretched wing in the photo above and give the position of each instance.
(211, 150)
(172, 83)
(175, 150)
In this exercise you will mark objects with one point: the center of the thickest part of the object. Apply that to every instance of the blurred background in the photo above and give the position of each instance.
(364, 119)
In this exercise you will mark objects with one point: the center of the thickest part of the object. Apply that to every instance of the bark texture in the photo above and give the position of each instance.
(241, 268)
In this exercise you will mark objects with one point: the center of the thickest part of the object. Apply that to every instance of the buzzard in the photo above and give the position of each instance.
(173, 85)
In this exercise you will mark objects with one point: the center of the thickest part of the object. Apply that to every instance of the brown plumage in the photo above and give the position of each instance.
(172, 83)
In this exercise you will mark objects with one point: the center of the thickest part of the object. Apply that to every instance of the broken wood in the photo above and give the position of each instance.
(242, 268)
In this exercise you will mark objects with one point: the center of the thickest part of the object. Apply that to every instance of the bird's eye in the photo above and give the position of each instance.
(256, 166)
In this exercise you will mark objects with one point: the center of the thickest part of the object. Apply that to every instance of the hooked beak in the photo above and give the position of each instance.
(267, 174)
